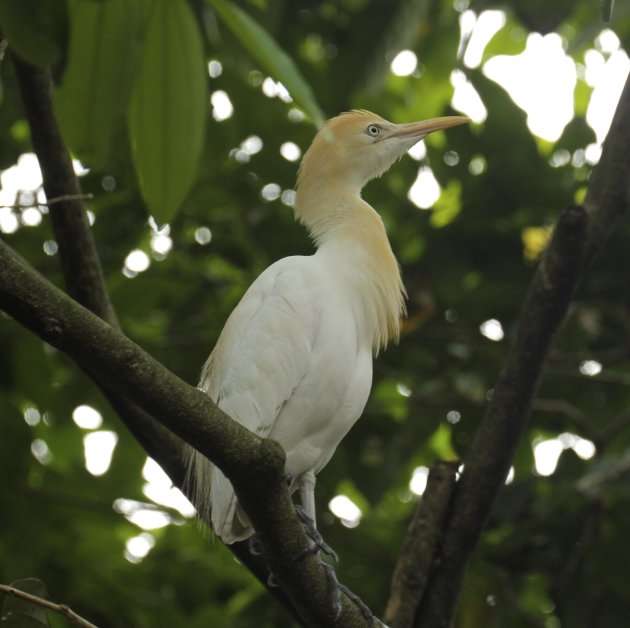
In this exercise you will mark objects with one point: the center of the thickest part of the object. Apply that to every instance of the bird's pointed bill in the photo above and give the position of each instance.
(423, 128)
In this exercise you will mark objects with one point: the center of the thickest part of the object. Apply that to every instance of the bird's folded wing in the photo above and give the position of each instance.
(263, 353)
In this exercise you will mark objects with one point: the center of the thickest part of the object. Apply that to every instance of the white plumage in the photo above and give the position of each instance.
(294, 360)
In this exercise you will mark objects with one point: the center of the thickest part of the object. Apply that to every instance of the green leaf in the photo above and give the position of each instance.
(509, 40)
(265, 50)
(448, 206)
(167, 115)
(16, 612)
(27, 26)
(103, 55)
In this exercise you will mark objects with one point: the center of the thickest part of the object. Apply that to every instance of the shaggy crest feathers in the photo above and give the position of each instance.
(331, 175)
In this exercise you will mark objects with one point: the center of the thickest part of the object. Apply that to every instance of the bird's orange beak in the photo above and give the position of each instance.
(423, 128)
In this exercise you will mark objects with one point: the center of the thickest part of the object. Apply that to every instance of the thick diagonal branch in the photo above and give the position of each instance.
(255, 466)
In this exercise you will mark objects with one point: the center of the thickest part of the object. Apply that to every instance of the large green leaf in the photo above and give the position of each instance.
(103, 52)
(265, 50)
(28, 25)
(167, 116)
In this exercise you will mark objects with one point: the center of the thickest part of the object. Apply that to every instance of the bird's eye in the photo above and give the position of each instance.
(373, 130)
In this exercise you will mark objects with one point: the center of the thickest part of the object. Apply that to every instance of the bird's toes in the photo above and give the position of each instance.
(335, 588)
(313, 549)
(272, 581)
(329, 551)
(363, 607)
(315, 536)
(338, 588)
(254, 545)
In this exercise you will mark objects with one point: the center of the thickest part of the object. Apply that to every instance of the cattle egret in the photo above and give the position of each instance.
(294, 361)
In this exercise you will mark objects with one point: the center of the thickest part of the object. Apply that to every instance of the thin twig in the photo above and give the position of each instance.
(52, 201)
(57, 608)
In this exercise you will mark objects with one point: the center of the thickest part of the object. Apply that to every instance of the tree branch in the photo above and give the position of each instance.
(62, 609)
(492, 450)
(80, 261)
(85, 281)
(255, 466)
(579, 235)
(423, 535)
(608, 191)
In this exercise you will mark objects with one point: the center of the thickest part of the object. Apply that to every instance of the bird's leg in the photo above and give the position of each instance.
(307, 494)
(306, 512)
(313, 533)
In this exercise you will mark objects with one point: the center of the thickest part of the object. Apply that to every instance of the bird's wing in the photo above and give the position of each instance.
(265, 347)
(263, 353)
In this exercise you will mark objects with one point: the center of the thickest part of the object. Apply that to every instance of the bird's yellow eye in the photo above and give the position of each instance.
(373, 130)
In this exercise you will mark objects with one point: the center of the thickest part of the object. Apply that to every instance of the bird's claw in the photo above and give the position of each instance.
(253, 544)
(315, 536)
(338, 588)
(335, 587)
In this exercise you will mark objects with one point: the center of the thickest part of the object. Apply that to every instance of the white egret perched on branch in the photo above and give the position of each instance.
(294, 361)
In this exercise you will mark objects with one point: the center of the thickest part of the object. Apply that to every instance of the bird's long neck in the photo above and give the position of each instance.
(346, 229)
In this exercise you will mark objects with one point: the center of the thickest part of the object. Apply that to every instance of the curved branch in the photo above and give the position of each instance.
(255, 466)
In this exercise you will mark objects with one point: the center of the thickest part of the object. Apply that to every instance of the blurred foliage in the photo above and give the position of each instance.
(555, 552)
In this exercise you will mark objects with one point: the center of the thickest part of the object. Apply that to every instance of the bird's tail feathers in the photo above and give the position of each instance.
(199, 471)
(215, 499)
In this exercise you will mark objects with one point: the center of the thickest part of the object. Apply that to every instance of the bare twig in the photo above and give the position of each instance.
(62, 609)
(573, 413)
(51, 201)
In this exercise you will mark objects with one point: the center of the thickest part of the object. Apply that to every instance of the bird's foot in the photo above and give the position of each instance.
(315, 536)
(253, 544)
(338, 589)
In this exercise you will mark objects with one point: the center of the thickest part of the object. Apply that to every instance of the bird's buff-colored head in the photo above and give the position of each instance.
(358, 146)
